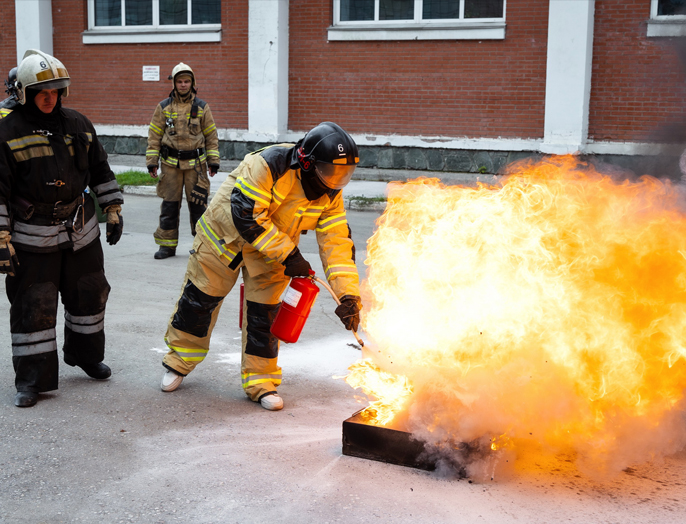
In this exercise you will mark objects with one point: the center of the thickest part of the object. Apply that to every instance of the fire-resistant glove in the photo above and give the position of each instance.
(349, 311)
(115, 224)
(8, 258)
(296, 265)
(152, 169)
(213, 169)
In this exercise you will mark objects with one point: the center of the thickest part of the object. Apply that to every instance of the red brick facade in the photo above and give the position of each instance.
(107, 83)
(8, 41)
(458, 88)
(450, 88)
(638, 85)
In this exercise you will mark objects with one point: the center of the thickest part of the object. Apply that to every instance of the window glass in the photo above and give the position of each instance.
(206, 12)
(107, 12)
(433, 9)
(396, 9)
(357, 10)
(138, 12)
(483, 8)
(671, 7)
(173, 12)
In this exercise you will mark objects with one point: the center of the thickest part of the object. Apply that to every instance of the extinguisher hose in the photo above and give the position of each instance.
(359, 340)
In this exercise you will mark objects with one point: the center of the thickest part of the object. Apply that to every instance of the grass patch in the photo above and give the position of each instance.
(135, 178)
(366, 201)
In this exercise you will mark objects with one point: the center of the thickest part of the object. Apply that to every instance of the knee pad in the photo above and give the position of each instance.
(39, 307)
(169, 215)
(260, 318)
(194, 311)
(92, 292)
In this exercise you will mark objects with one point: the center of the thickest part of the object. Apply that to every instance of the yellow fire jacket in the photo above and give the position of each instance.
(260, 210)
(177, 125)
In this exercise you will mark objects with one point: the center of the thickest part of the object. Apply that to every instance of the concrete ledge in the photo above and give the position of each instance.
(385, 163)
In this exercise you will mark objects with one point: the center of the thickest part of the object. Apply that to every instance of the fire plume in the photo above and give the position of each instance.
(549, 307)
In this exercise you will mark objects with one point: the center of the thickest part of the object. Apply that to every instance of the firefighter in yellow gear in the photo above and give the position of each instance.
(183, 135)
(254, 223)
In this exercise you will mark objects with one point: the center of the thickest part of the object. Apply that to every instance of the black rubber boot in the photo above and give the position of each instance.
(97, 371)
(165, 252)
(25, 399)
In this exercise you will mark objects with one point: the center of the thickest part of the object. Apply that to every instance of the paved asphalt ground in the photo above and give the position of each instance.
(123, 451)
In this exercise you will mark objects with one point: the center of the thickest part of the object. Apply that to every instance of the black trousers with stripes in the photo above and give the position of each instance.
(79, 279)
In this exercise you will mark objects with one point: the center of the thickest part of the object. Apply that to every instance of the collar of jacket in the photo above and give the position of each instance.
(183, 100)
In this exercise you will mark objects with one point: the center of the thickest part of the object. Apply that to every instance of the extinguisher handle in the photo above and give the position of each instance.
(320, 281)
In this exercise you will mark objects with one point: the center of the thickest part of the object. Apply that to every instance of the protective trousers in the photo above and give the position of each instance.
(206, 284)
(80, 280)
(170, 188)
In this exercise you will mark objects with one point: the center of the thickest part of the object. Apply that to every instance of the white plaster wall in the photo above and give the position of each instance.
(34, 26)
(568, 75)
(268, 68)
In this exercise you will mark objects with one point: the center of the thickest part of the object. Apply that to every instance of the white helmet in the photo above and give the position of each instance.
(39, 70)
(179, 69)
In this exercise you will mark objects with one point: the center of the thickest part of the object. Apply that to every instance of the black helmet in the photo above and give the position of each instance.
(11, 82)
(331, 153)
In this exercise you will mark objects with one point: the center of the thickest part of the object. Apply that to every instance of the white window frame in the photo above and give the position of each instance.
(155, 33)
(665, 25)
(416, 29)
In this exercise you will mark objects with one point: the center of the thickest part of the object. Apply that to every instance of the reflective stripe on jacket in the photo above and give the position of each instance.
(48, 162)
(260, 211)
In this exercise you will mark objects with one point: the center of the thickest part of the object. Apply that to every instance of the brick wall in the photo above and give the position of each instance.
(489, 88)
(638, 83)
(8, 42)
(107, 83)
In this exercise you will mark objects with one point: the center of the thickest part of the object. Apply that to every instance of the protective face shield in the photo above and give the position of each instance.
(40, 71)
(331, 153)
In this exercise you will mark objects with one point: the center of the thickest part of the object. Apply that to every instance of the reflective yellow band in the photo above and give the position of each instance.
(187, 354)
(217, 242)
(253, 192)
(167, 243)
(340, 269)
(265, 238)
(252, 379)
(156, 129)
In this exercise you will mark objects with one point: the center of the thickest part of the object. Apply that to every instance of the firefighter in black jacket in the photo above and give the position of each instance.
(12, 101)
(49, 232)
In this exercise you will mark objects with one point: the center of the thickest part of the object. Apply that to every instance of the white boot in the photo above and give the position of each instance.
(171, 381)
(272, 402)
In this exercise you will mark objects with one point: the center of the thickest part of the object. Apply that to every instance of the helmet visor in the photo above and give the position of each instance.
(57, 83)
(334, 176)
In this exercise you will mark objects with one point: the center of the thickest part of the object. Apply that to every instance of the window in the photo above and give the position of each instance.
(671, 7)
(418, 19)
(135, 21)
(667, 18)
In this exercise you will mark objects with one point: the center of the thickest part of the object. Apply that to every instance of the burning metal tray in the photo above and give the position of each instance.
(394, 446)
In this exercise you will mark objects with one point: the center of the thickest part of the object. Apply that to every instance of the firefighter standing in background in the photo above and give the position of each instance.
(49, 232)
(12, 100)
(183, 134)
(254, 222)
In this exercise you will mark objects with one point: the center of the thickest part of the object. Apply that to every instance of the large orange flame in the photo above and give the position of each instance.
(551, 307)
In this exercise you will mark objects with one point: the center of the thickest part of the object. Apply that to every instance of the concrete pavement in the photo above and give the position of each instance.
(123, 451)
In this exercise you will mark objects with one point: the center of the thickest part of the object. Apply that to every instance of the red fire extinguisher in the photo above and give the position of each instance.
(295, 308)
